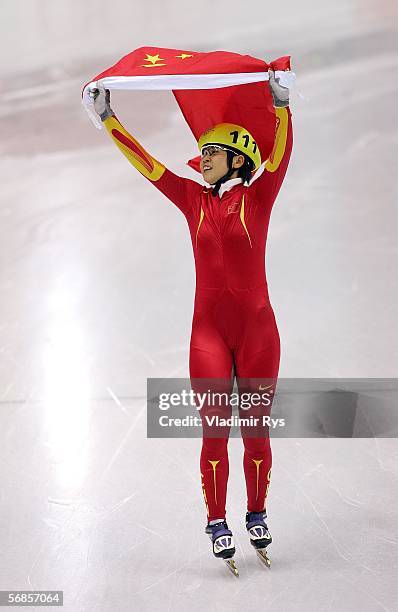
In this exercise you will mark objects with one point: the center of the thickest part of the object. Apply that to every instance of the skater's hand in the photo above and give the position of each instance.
(280, 95)
(102, 99)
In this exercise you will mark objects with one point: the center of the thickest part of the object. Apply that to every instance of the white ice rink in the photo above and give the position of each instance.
(97, 285)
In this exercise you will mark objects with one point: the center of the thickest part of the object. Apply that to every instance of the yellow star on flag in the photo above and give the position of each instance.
(184, 55)
(153, 59)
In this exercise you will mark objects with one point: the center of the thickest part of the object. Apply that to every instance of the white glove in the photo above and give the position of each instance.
(280, 95)
(102, 98)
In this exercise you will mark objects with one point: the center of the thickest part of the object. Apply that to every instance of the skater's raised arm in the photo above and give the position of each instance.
(270, 181)
(176, 188)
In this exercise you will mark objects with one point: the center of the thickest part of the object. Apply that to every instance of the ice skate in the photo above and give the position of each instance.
(223, 544)
(259, 535)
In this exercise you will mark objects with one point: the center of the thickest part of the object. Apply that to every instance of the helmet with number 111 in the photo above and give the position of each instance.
(234, 137)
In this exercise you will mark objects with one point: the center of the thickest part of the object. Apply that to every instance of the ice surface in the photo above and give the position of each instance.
(97, 286)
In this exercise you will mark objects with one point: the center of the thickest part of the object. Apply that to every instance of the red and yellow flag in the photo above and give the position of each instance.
(210, 88)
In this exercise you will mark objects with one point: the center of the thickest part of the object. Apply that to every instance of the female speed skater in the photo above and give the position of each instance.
(234, 332)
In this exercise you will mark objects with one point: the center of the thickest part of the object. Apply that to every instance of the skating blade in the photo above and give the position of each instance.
(232, 567)
(262, 555)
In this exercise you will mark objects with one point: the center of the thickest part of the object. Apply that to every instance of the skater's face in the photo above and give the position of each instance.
(214, 164)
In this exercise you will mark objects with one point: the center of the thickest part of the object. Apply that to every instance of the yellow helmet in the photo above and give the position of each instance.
(234, 136)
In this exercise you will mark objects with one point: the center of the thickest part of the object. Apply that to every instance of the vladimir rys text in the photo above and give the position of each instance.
(216, 421)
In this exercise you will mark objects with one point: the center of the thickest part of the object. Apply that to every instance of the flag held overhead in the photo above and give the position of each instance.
(210, 88)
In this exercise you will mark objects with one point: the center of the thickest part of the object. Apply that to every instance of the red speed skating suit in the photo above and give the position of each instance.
(233, 327)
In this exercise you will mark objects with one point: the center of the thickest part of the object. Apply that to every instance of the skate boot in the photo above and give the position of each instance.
(223, 543)
(259, 535)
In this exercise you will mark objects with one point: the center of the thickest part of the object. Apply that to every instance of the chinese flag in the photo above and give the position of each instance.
(209, 88)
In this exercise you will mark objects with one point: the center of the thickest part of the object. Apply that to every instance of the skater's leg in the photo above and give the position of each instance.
(257, 463)
(211, 366)
(260, 376)
(257, 366)
(214, 471)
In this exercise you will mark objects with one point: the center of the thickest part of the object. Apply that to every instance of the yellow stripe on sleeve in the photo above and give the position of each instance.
(278, 150)
(135, 153)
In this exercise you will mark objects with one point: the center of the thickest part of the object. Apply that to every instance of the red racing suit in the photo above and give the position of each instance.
(233, 328)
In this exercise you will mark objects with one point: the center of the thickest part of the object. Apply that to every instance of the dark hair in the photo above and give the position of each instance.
(245, 171)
